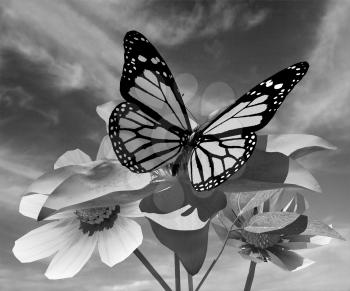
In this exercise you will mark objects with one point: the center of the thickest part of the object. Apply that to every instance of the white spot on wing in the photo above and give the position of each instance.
(142, 58)
(269, 83)
(278, 86)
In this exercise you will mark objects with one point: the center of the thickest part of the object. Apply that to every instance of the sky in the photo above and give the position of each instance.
(60, 59)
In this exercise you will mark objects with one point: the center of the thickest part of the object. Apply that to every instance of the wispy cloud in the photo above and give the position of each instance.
(324, 96)
(134, 285)
(254, 18)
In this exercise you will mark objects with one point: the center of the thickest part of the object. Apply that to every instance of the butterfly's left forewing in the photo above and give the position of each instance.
(152, 127)
(140, 142)
(230, 137)
(147, 82)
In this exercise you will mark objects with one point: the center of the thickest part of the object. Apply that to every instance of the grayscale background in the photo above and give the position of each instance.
(60, 59)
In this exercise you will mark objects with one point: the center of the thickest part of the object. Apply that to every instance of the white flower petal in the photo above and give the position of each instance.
(105, 110)
(306, 263)
(69, 261)
(131, 209)
(288, 260)
(103, 178)
(297, 175)
(119, 242)
(74, 157)
(319, 240)
(44, 241)
(296, 145)
(175, 220)
(49, 181)
(105, 150)
(62, 215)
(31, 205)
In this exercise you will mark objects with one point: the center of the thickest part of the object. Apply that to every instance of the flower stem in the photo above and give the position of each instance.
(219, 254)
(250, 277)
(177, 273)
(215, 261)
(150, 268)
(190, 282)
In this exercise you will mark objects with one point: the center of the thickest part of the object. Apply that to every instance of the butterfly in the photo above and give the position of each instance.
(153, 129)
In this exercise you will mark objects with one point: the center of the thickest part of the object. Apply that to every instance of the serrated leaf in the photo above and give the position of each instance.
(316, 227)
(259, 198)
(235, 203)
(297, 204)
(286, 223)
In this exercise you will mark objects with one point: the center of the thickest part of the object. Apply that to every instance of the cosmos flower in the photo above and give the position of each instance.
(73, 234)
(264, 229)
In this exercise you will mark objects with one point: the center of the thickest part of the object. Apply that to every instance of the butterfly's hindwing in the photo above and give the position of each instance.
(256, 108)
(213, 161)
(147, 82)
(141, 143)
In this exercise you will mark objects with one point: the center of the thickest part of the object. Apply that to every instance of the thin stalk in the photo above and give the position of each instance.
(190, 282)
(150, 268)
(216, 259)
(177, 273)
(250, 277)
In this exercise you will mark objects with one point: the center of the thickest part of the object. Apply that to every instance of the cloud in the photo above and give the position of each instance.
(78, 52)
(324, 93)
(134, 285)
(254, 18)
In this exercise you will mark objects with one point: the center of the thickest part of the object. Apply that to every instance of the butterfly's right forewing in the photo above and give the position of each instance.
(225, 143)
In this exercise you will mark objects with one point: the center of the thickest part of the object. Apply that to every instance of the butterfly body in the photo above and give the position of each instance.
(152, 128)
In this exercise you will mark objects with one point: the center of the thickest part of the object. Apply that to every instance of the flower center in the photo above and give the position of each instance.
(98, 218)
(261, 240)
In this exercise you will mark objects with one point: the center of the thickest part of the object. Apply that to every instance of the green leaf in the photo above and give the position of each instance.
(297, 204)
(180, 194)
(190, 246)
(270, 171)
(220, 230)
(258, 199)
(286, 223)
(316, 227)
(234, 238)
